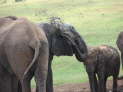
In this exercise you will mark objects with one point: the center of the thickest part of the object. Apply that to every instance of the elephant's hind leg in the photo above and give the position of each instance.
(15, 84)
(114, 84)
(42, 69)
(25, 83)
(49, 82)
(25, 86)
(19, 87)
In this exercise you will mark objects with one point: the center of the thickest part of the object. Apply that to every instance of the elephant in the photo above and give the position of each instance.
(119, 43)
(24, 52)
(102, 61)
(63, 40)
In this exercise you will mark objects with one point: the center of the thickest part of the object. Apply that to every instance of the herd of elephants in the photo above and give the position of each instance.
(27, 50)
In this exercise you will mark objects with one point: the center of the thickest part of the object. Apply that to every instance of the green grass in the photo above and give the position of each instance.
(98, 21)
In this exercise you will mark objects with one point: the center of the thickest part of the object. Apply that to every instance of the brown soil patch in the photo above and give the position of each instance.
(84, 87)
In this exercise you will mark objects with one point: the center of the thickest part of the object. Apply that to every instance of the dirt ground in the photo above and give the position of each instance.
(84, 87)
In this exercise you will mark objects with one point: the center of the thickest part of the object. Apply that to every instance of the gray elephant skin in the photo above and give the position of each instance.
(119, 43)
(102, 61)
(63, 40)
(24, 53)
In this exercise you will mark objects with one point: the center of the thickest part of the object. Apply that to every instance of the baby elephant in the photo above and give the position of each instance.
(102, 62)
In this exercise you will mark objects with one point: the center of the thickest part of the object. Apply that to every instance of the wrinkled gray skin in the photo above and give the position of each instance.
(119, 43)
(23, 51)
(63, 41)
(102, 62)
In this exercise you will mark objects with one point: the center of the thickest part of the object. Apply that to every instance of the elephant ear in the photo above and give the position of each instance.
(61, 47)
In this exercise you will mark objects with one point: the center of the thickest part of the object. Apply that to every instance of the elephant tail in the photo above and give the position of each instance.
(36, 54)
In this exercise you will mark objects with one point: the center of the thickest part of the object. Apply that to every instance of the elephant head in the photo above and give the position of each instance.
(64, 40)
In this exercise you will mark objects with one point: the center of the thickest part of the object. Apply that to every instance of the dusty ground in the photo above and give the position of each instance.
(83, 87)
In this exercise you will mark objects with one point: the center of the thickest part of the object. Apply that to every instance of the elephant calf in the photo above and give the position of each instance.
(102, 61)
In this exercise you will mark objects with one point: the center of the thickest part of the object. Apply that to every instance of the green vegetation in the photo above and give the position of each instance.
(98, 21)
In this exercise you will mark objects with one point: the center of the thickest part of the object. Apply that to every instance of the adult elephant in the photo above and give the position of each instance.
(119, 43)
(23, 51)
(63, 41)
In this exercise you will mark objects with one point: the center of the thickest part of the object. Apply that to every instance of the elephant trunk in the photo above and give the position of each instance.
(79, 48)
(81, 54)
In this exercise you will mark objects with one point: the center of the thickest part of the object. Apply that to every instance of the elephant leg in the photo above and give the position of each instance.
(5, 85)
(93, 82)
(99, 87)
(25, 86)
(122, 58)
(114, 84)
(105, 83)
(102, 83)
(96, 83)
(40, 81)
(14, 83)
(8, 82)
(42, 69)
(25, 83)
(19, 87)
(5, 80)
(49, 82)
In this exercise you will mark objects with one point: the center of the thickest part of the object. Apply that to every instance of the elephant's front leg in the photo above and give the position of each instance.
(93, 81)
(49, 85)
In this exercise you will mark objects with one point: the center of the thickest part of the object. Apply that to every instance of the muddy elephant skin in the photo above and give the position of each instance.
(102, 62)
(24, 51)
